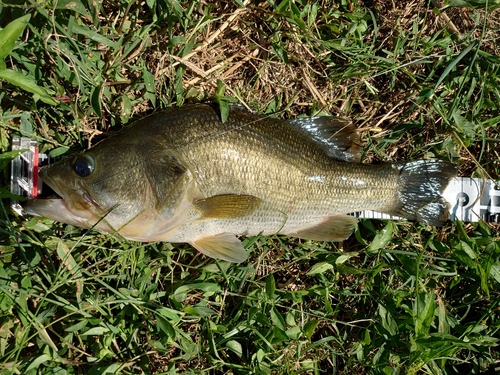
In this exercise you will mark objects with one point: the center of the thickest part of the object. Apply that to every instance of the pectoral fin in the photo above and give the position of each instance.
(333, 228)
(223, 246)
(227, 206)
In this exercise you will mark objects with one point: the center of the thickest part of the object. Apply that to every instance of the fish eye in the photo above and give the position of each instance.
(83, 165)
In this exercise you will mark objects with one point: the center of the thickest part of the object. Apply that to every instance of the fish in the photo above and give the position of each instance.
(182, 175)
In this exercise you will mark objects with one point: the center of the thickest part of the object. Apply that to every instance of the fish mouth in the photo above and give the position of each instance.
(80, 207)
(58, 194)
(51, 183)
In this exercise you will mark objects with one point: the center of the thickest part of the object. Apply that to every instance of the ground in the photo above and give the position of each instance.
(417, 78)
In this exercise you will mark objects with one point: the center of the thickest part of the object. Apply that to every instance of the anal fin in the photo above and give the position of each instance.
(332, 228)
(224, 246)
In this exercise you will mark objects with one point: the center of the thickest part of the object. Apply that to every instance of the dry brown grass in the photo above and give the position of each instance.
(236, 48)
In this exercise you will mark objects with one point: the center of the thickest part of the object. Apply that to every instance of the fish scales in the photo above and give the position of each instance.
(272, 160)
(294, 178)
(185, 176)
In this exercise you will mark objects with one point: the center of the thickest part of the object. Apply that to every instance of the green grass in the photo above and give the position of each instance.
(395, 298)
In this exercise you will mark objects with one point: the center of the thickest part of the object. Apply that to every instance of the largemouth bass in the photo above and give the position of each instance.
(182, 175)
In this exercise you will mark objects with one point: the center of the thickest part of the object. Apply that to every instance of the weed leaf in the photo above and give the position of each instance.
(10, 33)
(26, 83)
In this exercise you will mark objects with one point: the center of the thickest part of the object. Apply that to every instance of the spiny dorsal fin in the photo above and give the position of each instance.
(337, 134)
(332, 228)
(224, 246)
(227, 206)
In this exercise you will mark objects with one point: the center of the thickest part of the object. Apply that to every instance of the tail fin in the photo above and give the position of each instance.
(421, 185)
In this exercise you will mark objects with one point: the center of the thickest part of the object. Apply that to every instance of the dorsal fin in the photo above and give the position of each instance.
(338, 135)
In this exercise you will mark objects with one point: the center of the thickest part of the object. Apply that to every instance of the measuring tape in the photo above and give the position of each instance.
(471, 199)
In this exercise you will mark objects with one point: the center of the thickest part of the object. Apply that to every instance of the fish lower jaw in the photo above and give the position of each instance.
(57, 209)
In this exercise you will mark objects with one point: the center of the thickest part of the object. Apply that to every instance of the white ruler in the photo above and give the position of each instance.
(471, 199)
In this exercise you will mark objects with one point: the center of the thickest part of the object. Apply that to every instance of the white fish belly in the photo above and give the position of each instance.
(260, 222)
